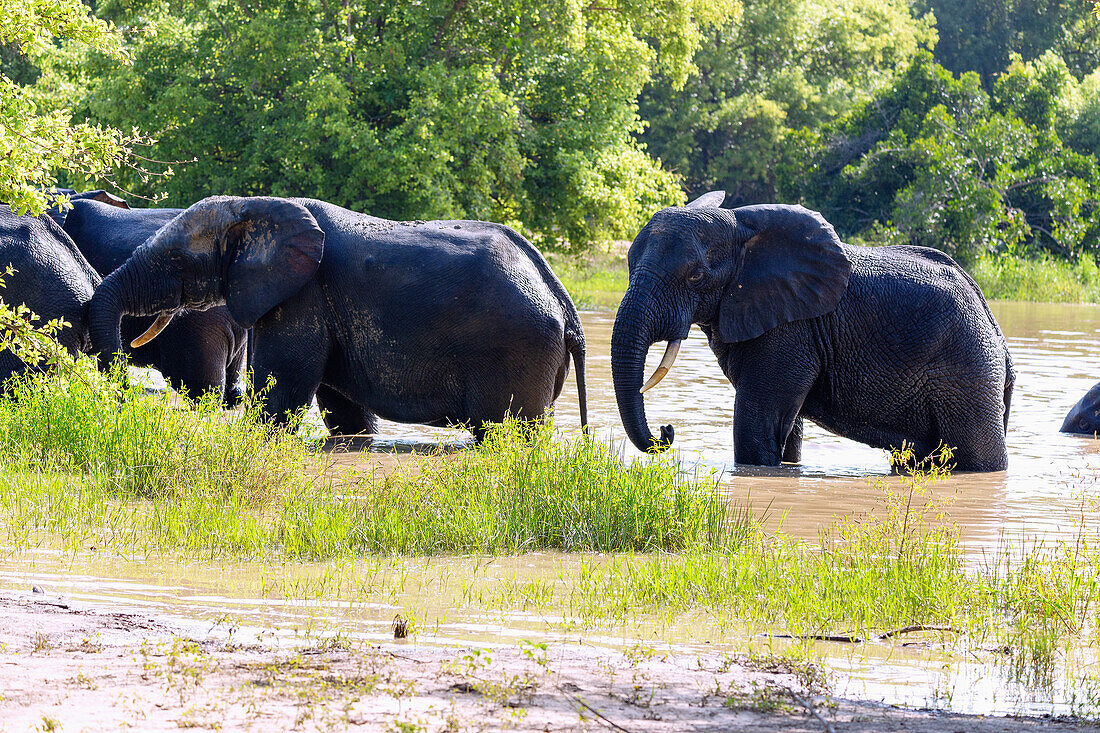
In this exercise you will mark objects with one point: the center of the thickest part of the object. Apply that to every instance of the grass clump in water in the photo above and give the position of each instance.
(598, 282)
(1043, 279)
(139, 443)
(86, 456)
(526, 490)
(863, 576)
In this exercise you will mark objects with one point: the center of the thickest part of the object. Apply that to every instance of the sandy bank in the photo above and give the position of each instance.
(73, 666)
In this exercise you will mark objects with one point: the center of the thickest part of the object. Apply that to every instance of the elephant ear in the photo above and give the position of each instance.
(713, 198)
(103, 197)
(793, 267)
(274, 247)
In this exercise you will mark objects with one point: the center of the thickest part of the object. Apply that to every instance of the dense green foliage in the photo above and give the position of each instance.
(934, 160)
(786, 64)
(973, 127)
(984, 35)
(36, 144)
(492, 109)
(835, 106)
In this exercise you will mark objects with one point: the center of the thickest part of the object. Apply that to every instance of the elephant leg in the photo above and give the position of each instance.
(193, 353)
(193, 379)
(766, 410)
(290, 361)
(234, 375)
(792, 448)
(760, 430)
(976, 436)
(342, 416)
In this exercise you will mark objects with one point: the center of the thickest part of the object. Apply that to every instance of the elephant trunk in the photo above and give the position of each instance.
(116, 296)
(630, 341)
(105, 311)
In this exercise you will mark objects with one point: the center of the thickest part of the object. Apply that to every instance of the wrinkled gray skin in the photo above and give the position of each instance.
(441, 323)
(51, 278)
(199, 351)
(1084, 417)
(883, 345)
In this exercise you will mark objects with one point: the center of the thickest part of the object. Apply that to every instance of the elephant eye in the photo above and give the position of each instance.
(695, 277)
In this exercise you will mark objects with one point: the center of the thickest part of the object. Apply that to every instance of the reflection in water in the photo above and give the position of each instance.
(1056, 349)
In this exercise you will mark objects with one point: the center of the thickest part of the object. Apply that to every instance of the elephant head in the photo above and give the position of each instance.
(739, 272)
(60, 213)
(249, 254)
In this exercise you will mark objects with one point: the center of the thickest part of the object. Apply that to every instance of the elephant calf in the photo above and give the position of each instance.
(442, 323)
(884, 345)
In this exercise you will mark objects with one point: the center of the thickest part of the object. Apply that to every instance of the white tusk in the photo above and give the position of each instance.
(151, 332)
(671, 351)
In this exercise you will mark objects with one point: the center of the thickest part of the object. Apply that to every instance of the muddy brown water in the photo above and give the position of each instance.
(1057, 354)
(1056, 350)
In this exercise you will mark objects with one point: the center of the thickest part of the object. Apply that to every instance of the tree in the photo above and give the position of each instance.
(787, 64)
(936, 161)
(983, 35)
(36, 144)
(512, 110)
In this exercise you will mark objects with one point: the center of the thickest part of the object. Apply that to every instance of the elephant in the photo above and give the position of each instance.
(51, 277)
(1084, 417)
(200, 350)
(439, 322)
(884, 345)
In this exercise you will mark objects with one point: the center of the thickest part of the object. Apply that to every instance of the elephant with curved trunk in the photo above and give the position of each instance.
(1084, 417)
(200, 350)
(441, 323)
(884, 345)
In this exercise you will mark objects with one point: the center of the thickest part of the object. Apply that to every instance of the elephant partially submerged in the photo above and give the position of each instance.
(1084, 417)
(441, 323)
(884, 345)
(200, 350)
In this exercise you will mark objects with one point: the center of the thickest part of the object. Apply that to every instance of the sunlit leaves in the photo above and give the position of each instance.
(935, 161)
(33, 24)
(36, 143)
(510, 110)
(785, 64)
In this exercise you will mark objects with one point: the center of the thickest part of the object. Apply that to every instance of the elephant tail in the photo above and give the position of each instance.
(574, 331)
(1010, 380)
(574, 342)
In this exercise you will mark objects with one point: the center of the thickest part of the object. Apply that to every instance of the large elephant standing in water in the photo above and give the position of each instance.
(442, 323)
(884, 345)
(200, 350)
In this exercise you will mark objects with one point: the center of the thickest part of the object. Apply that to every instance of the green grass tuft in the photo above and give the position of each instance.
(84, 456)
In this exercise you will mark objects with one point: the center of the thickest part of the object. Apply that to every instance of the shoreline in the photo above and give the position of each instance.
(68, 665)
